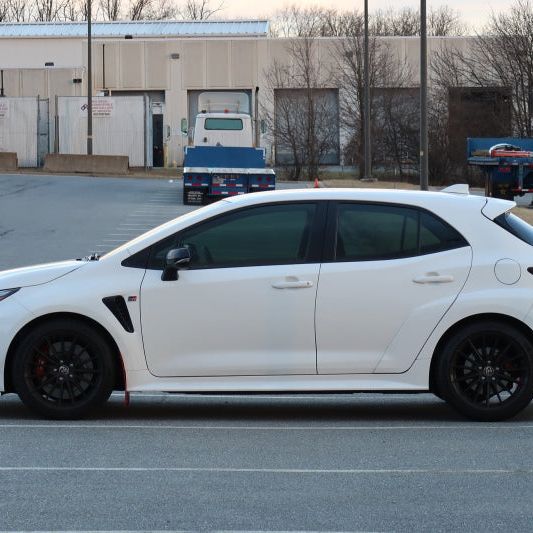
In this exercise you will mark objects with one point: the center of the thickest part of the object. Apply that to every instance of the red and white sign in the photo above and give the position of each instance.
(102, 107)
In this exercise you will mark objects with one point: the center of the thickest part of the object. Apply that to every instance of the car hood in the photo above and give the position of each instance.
(37, 274)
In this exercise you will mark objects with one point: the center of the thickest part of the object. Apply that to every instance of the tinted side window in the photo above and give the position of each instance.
(436, 235)
(516, 226)
(266, 235)
(367, 232)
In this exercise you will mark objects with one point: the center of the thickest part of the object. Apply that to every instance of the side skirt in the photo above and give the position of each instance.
(415, 379)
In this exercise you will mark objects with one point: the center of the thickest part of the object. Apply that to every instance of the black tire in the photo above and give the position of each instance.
(63, 369)
(185, 198)
(485, 371)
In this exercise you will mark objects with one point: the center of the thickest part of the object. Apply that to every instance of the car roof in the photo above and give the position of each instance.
(415, 197)
(440, 201)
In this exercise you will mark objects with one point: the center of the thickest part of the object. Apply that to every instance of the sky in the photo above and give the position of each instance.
(474, 12)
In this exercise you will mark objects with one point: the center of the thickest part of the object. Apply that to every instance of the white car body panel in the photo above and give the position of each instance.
(37, 275)
(373, 313)
(230, 321)
(416, 379)
(403, 364)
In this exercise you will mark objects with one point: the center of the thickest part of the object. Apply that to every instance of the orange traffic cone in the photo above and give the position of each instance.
(316, 185)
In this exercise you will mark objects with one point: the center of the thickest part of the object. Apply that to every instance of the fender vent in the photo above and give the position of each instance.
(118, 307)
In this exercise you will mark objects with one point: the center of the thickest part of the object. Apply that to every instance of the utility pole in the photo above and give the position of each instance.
(424, 171)
(367, 175)
(89, 82)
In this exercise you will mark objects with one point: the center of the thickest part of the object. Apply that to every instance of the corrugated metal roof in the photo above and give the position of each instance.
(145, 28)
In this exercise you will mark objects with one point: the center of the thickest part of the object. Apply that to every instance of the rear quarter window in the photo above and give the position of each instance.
(516, 226)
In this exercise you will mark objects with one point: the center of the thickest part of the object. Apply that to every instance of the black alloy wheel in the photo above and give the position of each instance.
(486, 371)
(63, 369)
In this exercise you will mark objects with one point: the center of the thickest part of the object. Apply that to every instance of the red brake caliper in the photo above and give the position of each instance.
(40, 363)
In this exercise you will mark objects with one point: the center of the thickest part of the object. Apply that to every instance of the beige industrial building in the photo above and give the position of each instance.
(161, 66)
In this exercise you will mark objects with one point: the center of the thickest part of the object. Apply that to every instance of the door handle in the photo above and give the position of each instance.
(292, 284)
(434, 277)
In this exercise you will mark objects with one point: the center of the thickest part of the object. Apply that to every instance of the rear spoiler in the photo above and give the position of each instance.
(496, 207)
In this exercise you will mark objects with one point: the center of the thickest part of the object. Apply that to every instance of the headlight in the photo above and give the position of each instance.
(7, 292)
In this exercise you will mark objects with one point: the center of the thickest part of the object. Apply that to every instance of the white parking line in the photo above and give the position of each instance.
(133, 226)
(145, 216)
(151, 427)
(350, 471)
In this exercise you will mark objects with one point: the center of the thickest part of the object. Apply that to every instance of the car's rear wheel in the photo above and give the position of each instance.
(485, 371)
(63, 369)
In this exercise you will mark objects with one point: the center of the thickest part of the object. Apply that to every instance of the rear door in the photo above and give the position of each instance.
(390, 275)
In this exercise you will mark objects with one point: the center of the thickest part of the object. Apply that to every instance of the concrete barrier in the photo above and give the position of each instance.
(8, 161)
(86, 164)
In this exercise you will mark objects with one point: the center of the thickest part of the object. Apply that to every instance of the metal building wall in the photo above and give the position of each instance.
(18, 129)
(123, 131)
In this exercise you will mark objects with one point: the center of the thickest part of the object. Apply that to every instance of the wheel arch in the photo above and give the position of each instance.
(120, 372)
(524, 328)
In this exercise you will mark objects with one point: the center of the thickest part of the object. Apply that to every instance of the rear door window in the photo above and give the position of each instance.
(369, 232)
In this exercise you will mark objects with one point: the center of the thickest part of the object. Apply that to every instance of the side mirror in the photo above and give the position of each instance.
(176, 259)
(184, 126)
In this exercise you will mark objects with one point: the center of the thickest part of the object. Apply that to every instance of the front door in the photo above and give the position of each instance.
(246, 304)
(392, 274)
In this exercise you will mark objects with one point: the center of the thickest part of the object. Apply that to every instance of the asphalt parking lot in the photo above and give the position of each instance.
(365, 462)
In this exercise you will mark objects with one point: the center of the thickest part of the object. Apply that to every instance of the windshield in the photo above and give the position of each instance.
(233, 124)
(515, 225)
(159, 231)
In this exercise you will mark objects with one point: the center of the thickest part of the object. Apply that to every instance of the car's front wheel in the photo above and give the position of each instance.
(485, 371)
(63, 369)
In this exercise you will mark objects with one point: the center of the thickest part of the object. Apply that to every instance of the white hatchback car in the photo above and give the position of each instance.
(294, 291)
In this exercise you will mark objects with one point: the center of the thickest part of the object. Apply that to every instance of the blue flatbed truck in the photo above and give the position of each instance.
(507, 163)
(224, 159)
(214, 172)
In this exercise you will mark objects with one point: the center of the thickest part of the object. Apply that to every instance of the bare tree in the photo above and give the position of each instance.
(296, 21)
(139, 9)
(19, 11)
(199, 9)
(441, 21)
(49, 10)
(74, 10)
(501, 57)
(386, 70)
(164, 9)
(396, 129)
(111, 9)
(444, 22)
(405, 21)
(4, 11)
(305, 120)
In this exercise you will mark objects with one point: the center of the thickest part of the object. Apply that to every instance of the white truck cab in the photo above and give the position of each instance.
(224, 119)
